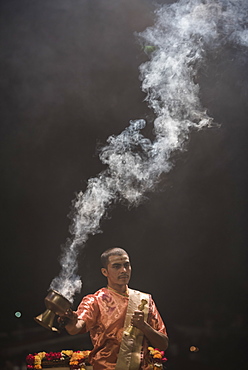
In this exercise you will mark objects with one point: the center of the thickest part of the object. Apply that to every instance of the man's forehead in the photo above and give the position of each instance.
(118, 259)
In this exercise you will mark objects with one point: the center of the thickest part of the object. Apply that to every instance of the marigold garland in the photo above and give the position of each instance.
(76, 359)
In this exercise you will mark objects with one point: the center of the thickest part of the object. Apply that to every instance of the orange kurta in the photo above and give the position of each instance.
(104, 314)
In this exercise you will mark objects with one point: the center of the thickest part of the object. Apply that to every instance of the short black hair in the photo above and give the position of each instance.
(114, 251)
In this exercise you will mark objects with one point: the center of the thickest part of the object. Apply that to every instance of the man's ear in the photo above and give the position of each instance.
(104, 271)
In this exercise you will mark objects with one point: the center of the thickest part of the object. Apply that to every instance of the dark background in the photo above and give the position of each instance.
(69, 80)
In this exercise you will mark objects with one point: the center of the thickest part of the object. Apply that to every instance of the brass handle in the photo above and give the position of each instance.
(130, 329)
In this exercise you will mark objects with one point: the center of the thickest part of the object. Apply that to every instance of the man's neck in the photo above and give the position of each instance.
(121, 289)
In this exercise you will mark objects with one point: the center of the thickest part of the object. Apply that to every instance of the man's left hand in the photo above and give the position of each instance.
(137, 319)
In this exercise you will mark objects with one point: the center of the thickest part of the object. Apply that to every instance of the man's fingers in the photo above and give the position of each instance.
(68, 314)
(138, 314)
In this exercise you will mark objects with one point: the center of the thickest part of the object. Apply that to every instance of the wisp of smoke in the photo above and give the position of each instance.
(182, 35)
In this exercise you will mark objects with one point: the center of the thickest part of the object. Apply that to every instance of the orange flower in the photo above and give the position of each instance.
(78, 357)
(157, 355)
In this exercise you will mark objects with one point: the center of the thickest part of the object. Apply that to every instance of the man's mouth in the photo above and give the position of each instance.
(123, 277)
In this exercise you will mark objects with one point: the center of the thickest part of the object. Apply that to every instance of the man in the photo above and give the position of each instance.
(121, 321)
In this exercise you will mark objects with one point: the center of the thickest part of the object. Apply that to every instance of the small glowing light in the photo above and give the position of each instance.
(193, 349)
(18, 314)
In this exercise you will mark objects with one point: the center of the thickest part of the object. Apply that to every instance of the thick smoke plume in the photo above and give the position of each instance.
(183, 34)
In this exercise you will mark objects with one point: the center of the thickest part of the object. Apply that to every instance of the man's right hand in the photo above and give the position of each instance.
(70, 321)
(68, 318)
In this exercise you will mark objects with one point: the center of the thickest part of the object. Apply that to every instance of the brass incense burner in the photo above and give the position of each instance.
(56, 304)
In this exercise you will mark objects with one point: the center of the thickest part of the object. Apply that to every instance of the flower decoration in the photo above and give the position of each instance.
(34, 361)
(30, 361)
(156, 358)
(76, 359)
(66, 353)
(53, 356)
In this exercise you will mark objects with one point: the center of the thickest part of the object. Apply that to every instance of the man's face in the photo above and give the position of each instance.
(118, 271)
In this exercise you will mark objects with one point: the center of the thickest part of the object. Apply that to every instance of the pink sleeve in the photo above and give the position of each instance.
(88, 311)
(154, 318)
